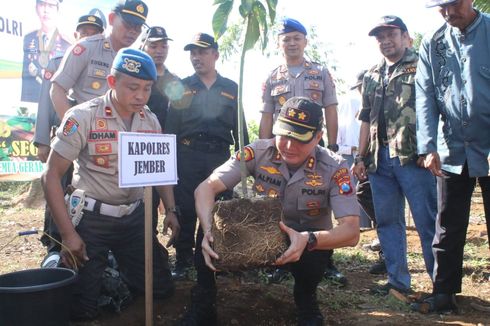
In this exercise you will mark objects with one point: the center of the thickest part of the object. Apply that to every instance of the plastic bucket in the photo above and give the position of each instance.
(36, 297)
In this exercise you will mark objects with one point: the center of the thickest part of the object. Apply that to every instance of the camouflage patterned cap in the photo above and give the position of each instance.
(300, 118)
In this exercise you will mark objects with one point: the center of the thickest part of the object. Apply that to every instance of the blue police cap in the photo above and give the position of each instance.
(291, 25)
(433, 3)
(135, 63)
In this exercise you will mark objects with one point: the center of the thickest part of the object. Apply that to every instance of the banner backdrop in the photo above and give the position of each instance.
(31, 33)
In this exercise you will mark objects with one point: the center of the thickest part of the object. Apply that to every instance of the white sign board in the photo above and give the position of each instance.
(147, 159)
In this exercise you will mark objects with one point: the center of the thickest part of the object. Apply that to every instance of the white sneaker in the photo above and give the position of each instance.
(52, 260)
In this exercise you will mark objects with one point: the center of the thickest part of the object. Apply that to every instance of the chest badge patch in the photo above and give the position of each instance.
(70, 127)
(78, 50)
(95, 85)
(101, 124)
(314, 183)
(342, 179)
(270, 169)
(259, 188)
(272, 193)
(104, 148)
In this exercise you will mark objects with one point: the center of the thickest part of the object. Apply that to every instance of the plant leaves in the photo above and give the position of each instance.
(220, 18)
(272, 4)
(260, 14)
(252, 34)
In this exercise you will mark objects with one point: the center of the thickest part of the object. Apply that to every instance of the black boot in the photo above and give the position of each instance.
(184, 260)
(308, 312)
(202, 311)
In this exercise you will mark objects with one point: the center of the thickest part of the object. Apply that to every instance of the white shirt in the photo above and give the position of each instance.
(349, 125)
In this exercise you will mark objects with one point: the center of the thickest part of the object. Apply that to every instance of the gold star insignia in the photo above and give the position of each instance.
(291, 113)
(301, 116)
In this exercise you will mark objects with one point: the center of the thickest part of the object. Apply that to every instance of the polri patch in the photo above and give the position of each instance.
(48, 75)
(342, 179)
(70, 127)
(102, 161)
(101, 123)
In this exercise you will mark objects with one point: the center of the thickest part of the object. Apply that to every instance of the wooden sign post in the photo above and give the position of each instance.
(147, 160)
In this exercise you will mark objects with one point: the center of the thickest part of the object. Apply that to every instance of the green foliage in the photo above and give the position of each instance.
(253, 130)
(417, 40)
(482, 5)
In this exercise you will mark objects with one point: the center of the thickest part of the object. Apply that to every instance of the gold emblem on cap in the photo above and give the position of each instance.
(95, 85)
(159, 30)
(140, 8)
(282, 100)
(291, 113)
(301, 116)
(131, 65)
(91, 18)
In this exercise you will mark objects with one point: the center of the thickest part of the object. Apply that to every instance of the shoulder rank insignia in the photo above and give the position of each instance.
(270, 169)
(248, 153)
(70, 127)
(410, 70)
(342, 179)
(108, 111)
(311, 162)
(78, 50)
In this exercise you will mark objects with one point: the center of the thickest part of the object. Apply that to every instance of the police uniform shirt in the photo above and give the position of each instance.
(323, 184)
(89, 135)
(46, 115)
(85, 67)
(313, 81)
(212, 111)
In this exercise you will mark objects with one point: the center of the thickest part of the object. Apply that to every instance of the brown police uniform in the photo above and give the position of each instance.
(85, 67)
(113, 217)
(323, 184)
(90, 133)
(313, 81)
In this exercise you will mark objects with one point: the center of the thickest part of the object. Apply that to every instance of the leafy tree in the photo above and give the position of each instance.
(482, 5)
(254, 15)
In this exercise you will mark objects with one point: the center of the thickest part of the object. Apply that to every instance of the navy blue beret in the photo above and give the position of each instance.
(135, 63)
(292, 25)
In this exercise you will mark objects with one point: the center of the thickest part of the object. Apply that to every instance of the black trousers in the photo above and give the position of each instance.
(454, 193)
(365, 199)
(124, 236)
(194, 166)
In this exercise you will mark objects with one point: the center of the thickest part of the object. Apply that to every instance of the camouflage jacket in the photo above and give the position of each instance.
(398, 103)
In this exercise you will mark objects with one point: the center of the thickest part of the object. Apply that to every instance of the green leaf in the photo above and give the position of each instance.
(220, 18)
(260, 14)
(247, 6)
(252, 34)
(217, 2)
(272, 4)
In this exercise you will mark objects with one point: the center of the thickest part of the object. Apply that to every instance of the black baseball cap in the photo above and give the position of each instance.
(390, 22)
(300, 118)
(91, 20)
(202, 40)
(155, 33)
(132, 11)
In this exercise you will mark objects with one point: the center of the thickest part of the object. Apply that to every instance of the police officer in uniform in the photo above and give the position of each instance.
(39, 47)
(205, 130)
(47, 118)
(113, 217)
(311, 183)
(87, 64)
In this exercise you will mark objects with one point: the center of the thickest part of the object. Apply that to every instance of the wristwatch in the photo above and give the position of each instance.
(358, 159)
(312, 241)
(175, 210)
(333, 147)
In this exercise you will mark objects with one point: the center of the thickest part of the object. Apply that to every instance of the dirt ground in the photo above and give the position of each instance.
(250, 300)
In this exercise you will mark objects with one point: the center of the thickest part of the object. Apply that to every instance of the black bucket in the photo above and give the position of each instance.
(36, 297)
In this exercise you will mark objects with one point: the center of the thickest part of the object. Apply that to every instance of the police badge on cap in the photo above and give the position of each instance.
(135, 63)
(300, 118)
